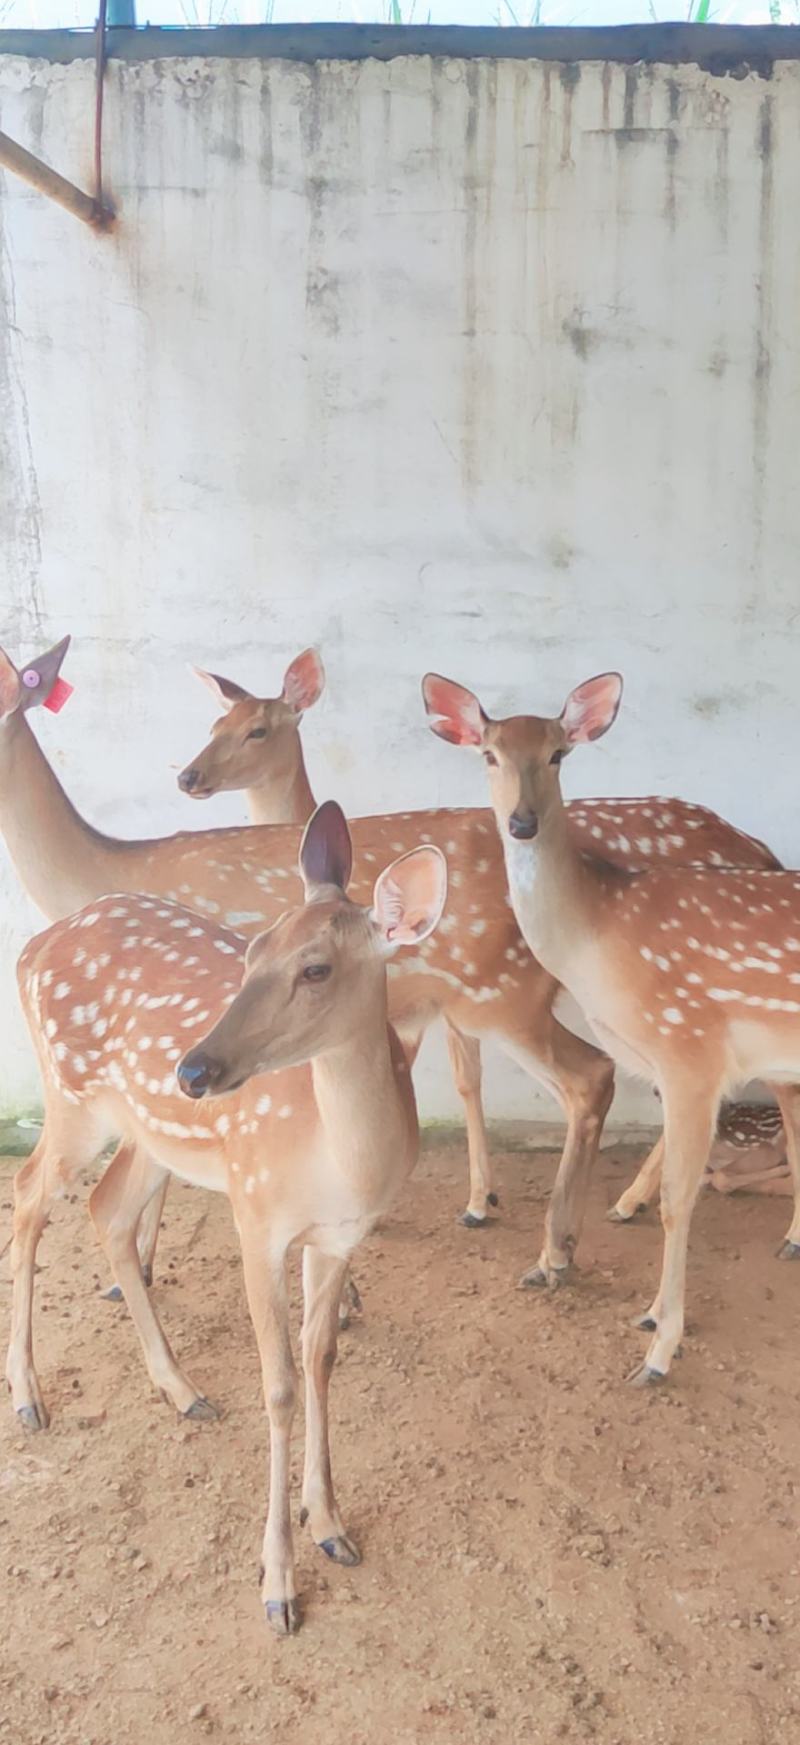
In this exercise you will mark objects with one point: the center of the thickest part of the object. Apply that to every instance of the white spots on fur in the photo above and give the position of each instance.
(61, 990)
(263, 1175)
(263, 1105)
(672, 1015)
(285, 1112)
(250, 1184)
(243, 917)
(223, 1125)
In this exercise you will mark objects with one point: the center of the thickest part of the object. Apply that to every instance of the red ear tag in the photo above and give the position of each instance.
(59, 695)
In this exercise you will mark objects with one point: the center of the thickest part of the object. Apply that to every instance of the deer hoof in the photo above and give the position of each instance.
(544, 1277)
(645, 1323)
(201, 1411)
(789, 1250)
(615, 1216)
(33, 1418)
(112, 1295)
(472, 1221)
(644, 1376)
(493, 1199)
(341, 1550)
(283, 1616)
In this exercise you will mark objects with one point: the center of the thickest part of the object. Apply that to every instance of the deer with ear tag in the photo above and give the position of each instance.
(690, 977)
(269, 1072)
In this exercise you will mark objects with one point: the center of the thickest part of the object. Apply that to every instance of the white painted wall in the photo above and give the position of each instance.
(489, 367)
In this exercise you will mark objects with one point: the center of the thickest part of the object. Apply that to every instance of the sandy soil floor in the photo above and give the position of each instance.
(547, 1554)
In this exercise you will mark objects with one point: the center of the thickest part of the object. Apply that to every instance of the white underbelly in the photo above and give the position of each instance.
(603, 1034)
(757, 1051)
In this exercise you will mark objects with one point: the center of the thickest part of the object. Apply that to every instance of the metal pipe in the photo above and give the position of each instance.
(31, 169)
(121, 12)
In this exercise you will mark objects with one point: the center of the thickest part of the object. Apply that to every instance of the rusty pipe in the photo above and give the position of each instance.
(40, 176)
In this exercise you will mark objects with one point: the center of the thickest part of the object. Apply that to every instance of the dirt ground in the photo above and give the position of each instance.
(547, 1554)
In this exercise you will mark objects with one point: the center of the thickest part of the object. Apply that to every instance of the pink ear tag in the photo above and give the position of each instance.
(59, 695)
(30, 679)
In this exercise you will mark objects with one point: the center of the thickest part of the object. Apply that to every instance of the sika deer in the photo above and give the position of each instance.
(476, 972)
(255, 748)
(312, 1155)
(689, 977)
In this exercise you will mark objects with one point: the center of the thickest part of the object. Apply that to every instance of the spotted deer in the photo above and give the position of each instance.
(476, 971)
(690, 977)
(256, 748)
(269, 1072)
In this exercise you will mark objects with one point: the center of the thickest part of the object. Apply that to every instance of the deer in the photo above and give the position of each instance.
(256, 748)
(266, 1070)
(689, 977)
(476, 971)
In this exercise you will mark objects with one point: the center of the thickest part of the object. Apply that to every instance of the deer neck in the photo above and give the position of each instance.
(551, 889)
(366, 1107)
(286, 801)
(59, 858)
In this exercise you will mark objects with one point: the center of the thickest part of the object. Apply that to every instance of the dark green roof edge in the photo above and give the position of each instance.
(717, 49)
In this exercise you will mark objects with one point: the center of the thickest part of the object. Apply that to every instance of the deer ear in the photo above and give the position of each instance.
(409, 897)
(10, 687)
(591, 708)
(39, 677)
(456, 715)
(303, 681)
(225, 691)
(326, 852)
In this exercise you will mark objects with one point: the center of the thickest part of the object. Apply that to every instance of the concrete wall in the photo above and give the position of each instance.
(486, 366)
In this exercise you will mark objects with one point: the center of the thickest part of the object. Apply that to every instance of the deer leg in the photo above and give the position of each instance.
(265, 1283)
(788, 1097)
(777, 1180)
(643, 1188)
(116, 1204)
(34, 1191)
(582, 1079)
(465, 1060)
(146, 1239)
(50, 1168)
(322, 1283)
(691, 1115)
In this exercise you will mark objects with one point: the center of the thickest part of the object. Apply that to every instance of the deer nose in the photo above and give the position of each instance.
(196, 1073)
(188, 779)
(523, 825)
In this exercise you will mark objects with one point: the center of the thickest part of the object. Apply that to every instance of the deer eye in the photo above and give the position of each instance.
(316, 972)
(256, 733)
(489, 757)
(557, 757)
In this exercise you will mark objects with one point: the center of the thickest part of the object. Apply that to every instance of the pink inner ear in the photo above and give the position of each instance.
(592, 708)
(459, 717)
(304, 681)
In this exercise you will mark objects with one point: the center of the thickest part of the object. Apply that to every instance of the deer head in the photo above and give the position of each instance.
(317, 976)
(523, 752)
(256, 739)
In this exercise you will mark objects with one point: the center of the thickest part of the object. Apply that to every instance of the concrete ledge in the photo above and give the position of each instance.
(722, 50)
